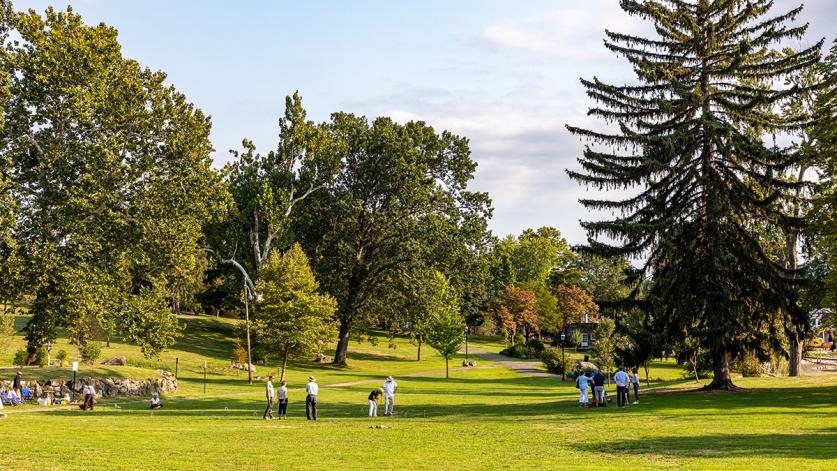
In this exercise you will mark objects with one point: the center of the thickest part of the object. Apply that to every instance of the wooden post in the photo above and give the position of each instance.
(176, 365)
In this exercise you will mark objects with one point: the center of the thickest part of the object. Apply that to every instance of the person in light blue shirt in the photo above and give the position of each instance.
(622, 380)
(583, 387)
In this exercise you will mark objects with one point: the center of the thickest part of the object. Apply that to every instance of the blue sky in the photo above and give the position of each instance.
(503, 73)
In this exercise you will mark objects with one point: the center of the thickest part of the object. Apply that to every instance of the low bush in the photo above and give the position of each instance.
(531, 349)
(62, 356)
(42, 358)
(21, 358)
(552, 359)
(90, 352)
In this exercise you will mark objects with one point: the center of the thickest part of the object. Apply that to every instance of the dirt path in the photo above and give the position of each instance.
(524, 367)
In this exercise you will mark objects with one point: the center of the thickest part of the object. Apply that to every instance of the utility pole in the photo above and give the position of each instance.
(247, 328)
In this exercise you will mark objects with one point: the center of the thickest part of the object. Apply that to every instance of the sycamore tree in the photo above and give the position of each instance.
(293, 319)
(447, 330)
(111, 177)
(683, 140)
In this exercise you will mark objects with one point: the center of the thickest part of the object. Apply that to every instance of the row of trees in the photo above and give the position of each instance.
(113, 218)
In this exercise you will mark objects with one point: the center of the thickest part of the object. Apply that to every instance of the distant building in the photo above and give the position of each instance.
(587, 329)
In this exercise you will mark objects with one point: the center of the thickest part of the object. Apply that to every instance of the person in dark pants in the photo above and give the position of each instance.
(311, 399)
(622, 381)
(283, 400)
(269, 395)
(16, 384)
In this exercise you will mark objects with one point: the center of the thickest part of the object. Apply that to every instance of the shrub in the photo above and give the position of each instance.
(750, 366)
(42, 358)
(574, 339)
(90, 352)
(62, 356)
(551, 358)
(239, 354)
(516, 351)
(21, 358)
(815, 342)
(535, 346)
(519, 339)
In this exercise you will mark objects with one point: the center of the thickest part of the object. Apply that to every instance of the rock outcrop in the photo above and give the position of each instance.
(107, 387)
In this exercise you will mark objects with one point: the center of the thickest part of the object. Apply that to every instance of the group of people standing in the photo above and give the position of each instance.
(596, 379)
(280, 394)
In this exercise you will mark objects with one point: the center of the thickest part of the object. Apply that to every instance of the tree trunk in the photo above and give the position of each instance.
(795, 358)
(693, 360)
(284, 365)
(647, 381)
(343, 342)
(418, 358)
(447, 371)
(721, 378)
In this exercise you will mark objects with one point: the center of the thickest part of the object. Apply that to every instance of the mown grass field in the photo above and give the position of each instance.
(482, 418)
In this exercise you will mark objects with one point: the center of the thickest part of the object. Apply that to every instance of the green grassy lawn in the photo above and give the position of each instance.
(481, 418)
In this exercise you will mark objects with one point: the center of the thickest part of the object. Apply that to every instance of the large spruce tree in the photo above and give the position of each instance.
(685, 141)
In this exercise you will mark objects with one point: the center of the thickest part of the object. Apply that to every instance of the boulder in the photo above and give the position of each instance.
(242, 366)
(118, 361)
(585, 366)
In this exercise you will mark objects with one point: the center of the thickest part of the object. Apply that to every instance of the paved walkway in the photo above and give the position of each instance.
(524, 367)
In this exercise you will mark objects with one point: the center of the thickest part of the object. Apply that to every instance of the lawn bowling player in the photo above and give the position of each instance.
(269, 395)
(389, 387)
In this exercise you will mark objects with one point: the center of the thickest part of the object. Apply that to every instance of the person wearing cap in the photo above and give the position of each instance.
(269, 395)
(389, 388)
(374, 396)
(311, 399)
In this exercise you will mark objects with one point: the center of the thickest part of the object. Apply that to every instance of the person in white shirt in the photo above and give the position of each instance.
(155, 402)
(583, 395)
(89, 397)
(635, 383)
(621, 378)
(389, 388)
(311, 399)
(269, 395)
(283, 400)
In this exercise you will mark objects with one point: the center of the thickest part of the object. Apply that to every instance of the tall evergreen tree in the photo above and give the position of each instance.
(684, 140)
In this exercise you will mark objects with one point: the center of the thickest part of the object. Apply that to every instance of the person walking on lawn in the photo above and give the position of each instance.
(622, 380)
(374, 396)
(311, 399)
(269, 395)
(389, 388)
(283, 400)
(583, 381)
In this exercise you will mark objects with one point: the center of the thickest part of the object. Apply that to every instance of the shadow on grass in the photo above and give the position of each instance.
(814, 444)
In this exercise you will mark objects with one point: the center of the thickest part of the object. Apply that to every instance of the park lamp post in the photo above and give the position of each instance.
(563, 358)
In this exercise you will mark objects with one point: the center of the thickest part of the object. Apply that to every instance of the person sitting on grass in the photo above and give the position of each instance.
(583, 382)
(13, 397)
(155, 402)
(374, 396)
